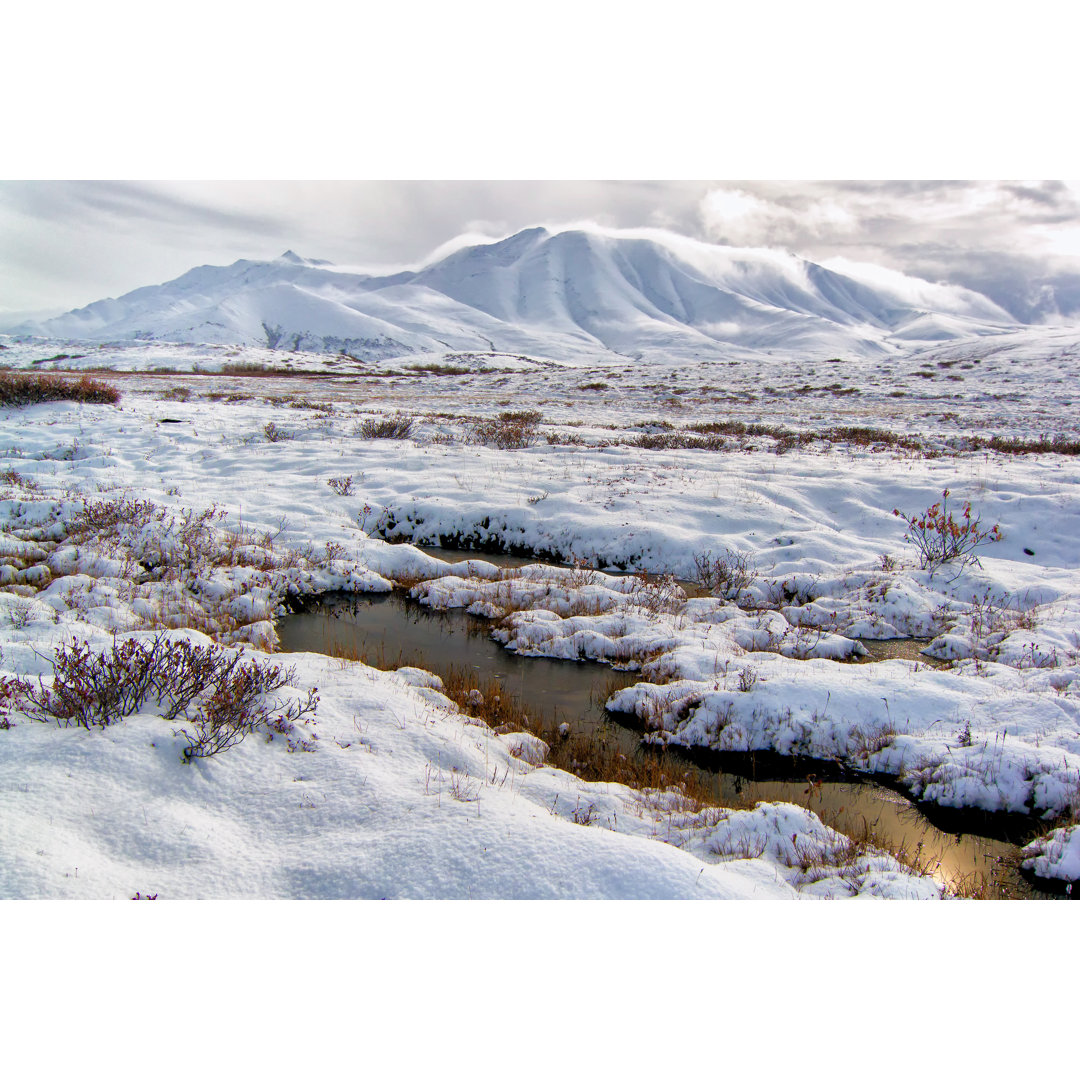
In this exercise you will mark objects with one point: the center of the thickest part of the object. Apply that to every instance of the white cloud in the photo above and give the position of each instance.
(742, 218)
(64, 244)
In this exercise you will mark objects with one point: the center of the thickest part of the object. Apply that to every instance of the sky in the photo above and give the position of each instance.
(241, 130)
(67, 243)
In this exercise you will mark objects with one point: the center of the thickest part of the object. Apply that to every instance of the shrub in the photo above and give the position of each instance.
(677, 440)
(17, 389)
(443, 369)
(160, 539)
(252, 367)
(275, 434)
(724, 575)
(219, 693)
(521, 416)
(748, 678)
(11, 691)
(91, 690)
(341, 485)
(232, 709)
(992, 614)
(389, 427)
(324, 408)
(1059, 444)
(106, 519)
(508, 431)
(15, 479)
(657, 594)
(21, 613)
(940, 538)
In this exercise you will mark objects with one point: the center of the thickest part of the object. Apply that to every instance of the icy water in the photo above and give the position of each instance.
(391, 630)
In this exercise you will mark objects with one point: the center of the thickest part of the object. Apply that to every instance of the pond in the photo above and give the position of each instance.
(390, 630)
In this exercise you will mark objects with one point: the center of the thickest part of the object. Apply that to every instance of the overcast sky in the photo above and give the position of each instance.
(246, 89)
(64, 244)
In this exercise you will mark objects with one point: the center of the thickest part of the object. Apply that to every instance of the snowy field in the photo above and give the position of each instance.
(208, 495)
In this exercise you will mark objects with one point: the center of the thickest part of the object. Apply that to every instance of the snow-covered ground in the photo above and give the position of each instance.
(402, 795)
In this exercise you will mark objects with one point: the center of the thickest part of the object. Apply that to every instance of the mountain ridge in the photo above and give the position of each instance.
(575, 291)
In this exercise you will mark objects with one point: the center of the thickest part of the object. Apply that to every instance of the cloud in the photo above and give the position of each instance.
(63, 244)
(983, 213)
(744, 219)
(1018, 241)
(66, 243)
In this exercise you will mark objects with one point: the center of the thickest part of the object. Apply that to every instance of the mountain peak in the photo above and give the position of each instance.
(553, 292)
(519, 241)
(293, 259)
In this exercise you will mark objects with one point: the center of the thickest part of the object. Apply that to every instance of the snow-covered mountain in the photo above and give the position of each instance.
(565, 293)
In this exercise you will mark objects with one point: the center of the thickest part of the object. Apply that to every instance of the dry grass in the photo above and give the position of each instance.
(508, 431)
(17, 390)
(592, 755)
(444, 369)
(866, 840)
(16, 479)
(389, 427)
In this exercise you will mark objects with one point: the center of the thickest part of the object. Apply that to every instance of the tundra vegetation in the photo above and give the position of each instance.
(735, 546)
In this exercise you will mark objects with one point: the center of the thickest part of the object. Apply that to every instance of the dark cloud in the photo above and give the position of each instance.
(1055, 195)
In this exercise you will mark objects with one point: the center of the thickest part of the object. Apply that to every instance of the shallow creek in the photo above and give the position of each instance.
(390, 630)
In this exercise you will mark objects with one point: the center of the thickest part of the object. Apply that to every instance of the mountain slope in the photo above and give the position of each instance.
(568, 293)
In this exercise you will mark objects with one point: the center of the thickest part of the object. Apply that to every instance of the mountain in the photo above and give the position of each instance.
(568, 293)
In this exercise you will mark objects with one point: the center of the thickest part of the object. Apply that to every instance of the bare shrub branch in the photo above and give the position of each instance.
(724, 575)
(341, 485)
(508, 431)
(940, 538)
(397, 426)
(220, 693)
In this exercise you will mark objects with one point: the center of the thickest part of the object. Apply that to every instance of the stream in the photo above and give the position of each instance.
(391, 630)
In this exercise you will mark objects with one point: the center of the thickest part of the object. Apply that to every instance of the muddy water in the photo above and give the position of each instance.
(899, 649)
(390, 630)
(454, 555)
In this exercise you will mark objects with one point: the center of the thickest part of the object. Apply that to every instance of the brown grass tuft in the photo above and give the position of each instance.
(17, 390)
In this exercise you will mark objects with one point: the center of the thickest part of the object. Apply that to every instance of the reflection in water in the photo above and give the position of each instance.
(389, 630)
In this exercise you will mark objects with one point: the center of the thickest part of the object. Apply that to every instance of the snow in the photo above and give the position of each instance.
(1056, 855)
(400, 800)
(568, 292)
(403, 795)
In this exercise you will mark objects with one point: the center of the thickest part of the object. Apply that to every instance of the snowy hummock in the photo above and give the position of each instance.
(1055, 856)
